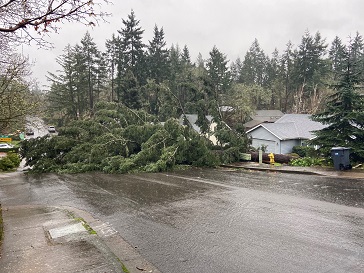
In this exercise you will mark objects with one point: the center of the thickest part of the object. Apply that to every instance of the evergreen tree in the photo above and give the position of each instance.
(254, 65)
(94, 64)
(344, 112)
(185, 56)
(66, 100)
(236, 68)
(310, 69)
(220, 77)
(130, 92)
(274, 80)
(112, 59)
(287, 63)
(336, 57)
(131, 52)
(158, 57)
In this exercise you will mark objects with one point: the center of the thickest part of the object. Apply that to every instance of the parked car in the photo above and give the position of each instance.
(51, 129)
(6, 146)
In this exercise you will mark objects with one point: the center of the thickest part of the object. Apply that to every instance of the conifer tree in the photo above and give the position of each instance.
(219, 75)
(157, 57)
(344, 111)
(131, 50)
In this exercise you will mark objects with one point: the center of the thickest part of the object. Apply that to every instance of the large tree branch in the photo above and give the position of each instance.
(46, 15)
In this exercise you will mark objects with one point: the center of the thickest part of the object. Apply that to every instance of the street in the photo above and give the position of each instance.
(216, 220)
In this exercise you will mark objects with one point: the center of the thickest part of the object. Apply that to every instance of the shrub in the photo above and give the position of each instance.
(10, 162)
(308, 161)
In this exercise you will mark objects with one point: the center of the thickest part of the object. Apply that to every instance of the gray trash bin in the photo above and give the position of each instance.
(340, 156)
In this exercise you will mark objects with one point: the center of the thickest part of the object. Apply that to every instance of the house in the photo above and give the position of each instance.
(192, 118)
(261, 116)
(281, 136)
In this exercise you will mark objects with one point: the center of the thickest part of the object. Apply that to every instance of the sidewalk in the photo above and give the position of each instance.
(62, 239)
(325, 171)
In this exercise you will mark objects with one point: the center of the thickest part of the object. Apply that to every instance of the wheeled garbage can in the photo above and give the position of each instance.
(340, 156)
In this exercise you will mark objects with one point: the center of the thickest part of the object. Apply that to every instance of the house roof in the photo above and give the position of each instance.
(292, 126)
(267, 115)
(261, 116)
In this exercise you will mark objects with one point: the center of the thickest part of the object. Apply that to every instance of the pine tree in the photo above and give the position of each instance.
(219, 75)
(254, 65)
(287, 64)
(94, 65)
(336, 57)
(64, 96)
(344, 112)
(157, 57)
(112, 59)
(131, 51)
(310, 70)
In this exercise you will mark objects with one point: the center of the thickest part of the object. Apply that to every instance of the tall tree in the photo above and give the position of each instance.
(274, 80)
(254, 65)
(344, 111)
(157, 57)
(287, 63)
(309, 71)
(66, 98)
(94, 65)
(131, 57)
(131, 49)
(337, 57)
(220, 77)
(112, 58)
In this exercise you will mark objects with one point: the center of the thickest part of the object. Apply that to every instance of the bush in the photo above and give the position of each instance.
(10, 162)
(308, 161)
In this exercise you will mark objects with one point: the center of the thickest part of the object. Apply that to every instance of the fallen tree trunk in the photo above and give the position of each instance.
(279, 158)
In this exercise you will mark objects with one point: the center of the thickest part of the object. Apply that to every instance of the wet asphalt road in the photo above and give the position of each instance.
(217, 220)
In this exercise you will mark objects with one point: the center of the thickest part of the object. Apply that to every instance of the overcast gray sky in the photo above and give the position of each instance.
(200, 24)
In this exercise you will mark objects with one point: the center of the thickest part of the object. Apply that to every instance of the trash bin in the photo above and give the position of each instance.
(340, 156)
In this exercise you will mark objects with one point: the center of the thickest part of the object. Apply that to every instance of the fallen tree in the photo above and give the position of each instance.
(279, 158)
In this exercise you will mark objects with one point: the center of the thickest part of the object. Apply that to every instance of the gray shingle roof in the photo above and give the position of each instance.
(267, 115)
(293, 126)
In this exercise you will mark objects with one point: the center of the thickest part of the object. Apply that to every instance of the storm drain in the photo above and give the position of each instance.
(66, 230)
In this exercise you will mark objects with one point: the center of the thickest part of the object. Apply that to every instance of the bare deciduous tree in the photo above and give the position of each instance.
(42, 16)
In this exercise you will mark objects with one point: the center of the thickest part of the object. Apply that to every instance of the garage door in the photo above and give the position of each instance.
(269, 144)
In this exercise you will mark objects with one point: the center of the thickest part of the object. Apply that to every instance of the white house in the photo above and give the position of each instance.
(192, 118)
(281, 136)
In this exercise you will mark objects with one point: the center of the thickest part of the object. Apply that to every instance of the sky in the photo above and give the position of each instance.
(231, 26)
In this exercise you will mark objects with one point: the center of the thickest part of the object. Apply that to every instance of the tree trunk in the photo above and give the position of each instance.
(279, 158)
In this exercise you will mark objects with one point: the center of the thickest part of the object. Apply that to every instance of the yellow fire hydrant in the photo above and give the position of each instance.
(271, 158)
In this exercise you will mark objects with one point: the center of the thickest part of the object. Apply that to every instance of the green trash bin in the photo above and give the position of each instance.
(340, 156)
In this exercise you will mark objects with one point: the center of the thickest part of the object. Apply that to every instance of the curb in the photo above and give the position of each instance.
(130, 259)
(272, 170)
(119, 253)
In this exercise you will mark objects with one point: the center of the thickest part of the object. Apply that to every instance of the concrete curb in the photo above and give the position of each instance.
(125, 253)
(304, 170)
(35, 229)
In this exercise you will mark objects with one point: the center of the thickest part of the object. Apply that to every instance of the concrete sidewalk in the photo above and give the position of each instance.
(62, 239)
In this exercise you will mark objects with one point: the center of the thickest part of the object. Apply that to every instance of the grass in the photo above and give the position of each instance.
(123, 266)
(84, 223)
